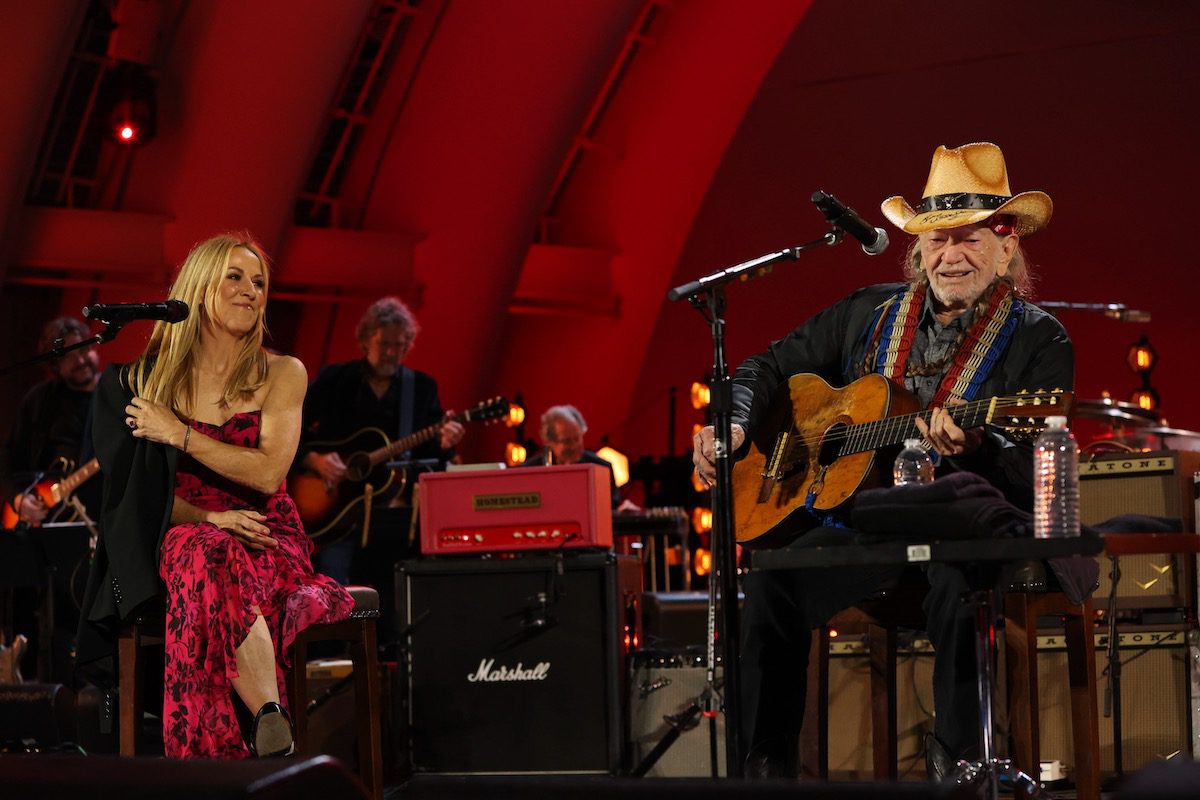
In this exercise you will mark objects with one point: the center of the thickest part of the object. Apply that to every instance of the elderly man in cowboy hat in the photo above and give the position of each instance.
(960, 328)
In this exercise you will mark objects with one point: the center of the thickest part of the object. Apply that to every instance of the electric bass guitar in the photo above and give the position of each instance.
(328, 509)
(820, 441)
(52, 493)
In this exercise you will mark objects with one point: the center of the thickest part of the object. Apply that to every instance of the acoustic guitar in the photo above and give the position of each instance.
(52, 493)
(368, 480)
(822, 441)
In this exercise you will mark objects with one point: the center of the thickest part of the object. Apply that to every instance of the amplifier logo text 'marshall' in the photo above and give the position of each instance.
(489, 673)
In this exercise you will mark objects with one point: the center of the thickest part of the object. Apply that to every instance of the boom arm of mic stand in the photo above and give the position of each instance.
(748, 270)
(58, 349)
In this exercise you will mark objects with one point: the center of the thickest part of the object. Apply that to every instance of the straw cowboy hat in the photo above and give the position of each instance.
(966, 185)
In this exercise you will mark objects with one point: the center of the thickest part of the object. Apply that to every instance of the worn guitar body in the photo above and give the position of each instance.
(324, 509)
(820, 441)
(808, 414)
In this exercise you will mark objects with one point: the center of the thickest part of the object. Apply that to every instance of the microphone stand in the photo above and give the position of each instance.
(58, 349)
(707, 295)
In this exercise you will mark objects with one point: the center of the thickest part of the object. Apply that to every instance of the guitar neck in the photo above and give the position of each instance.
(873, 435)
(70, 483)
(390, 451)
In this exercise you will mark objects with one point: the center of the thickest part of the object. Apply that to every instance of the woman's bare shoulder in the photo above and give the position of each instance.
(286, 373)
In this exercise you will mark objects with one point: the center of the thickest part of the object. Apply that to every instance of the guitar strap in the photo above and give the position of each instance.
(407, 391)
(891, 332)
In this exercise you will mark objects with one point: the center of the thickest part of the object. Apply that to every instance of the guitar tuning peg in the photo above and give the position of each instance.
(1023, 391)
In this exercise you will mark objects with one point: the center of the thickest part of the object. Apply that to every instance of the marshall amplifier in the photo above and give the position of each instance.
(516, 666)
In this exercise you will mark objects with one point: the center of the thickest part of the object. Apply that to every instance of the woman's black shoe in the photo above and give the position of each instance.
(271, 733)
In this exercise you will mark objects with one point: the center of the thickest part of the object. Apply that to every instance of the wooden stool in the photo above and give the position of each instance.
(1021, 612)
(145, 629)
(877, 618)
(359, 630)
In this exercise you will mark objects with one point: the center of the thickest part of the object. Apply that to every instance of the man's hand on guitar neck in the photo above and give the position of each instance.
(452, 432)
(945, 436)
(702, 451)
(329, 466)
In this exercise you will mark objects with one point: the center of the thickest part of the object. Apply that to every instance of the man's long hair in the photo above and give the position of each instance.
(166, 372)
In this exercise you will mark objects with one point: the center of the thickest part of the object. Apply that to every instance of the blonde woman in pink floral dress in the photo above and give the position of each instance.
(234, 559)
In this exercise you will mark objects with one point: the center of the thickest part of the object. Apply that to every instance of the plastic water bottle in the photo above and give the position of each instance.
(913, 465)
(1055, 482)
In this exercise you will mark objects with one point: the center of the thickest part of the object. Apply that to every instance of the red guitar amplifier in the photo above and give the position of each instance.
(532, 508)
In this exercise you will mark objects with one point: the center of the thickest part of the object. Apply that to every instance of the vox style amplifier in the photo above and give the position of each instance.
(497, 510)
(517, 665)
(1158, 484)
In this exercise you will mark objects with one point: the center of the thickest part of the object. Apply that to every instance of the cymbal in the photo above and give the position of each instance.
(1115, 411)
(1163, 438)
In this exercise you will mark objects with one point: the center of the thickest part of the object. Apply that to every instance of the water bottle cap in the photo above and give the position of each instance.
(1056, 422)
(915, 443)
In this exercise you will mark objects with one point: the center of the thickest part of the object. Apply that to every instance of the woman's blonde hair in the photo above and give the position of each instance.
(165, 372)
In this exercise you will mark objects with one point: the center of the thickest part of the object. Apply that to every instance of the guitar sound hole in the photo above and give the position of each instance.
(358, 467)
(831, 444)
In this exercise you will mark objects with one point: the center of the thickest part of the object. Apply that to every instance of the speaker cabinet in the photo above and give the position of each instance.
(667, 685)
(1157, 484)
(516, 665)
(850, 734)
(1155, 696)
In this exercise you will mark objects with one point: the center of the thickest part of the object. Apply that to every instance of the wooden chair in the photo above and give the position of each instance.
(878, 619)
(1021, 612)
(1024, 603)
(358, 629)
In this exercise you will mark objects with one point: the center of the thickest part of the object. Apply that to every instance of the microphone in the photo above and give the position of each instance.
(171, 311)
(873, 240)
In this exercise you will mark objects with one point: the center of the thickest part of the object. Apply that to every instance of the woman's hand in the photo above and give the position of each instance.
(149, 420)
(245, 525)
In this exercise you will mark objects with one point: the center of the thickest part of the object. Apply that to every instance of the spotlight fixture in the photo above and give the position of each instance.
(701, 395)
(132, 117)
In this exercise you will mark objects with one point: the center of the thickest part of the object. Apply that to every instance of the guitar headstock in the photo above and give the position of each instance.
(1024, 414)
(488, 410)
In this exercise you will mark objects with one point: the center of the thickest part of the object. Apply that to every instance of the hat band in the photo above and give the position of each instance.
(948, 202)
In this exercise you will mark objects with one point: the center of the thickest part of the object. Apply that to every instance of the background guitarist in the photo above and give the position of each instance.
(371, 392)
(959, 329)
(51, 418)
(49, 426)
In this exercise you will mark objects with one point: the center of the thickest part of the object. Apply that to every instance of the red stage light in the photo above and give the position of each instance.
(127, 133)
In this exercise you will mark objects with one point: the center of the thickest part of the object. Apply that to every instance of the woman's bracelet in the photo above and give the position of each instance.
(186, 436)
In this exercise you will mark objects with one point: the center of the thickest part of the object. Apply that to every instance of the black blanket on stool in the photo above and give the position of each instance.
(963, 505)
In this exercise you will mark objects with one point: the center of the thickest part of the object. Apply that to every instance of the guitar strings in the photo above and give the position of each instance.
(902, 421)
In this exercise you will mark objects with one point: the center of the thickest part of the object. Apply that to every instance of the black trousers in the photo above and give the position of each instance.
(782, 608)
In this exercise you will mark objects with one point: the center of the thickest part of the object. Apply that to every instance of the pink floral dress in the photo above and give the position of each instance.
(212, 583)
